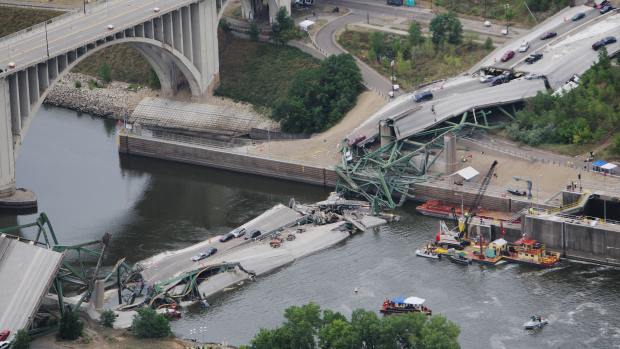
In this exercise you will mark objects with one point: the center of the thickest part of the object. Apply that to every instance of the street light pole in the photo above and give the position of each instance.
(47, 45)
(84, 2)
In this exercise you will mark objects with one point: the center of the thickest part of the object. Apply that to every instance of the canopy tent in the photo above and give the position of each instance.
(599, 163)
(609, 166)
(467, 173)
(499, 243)
(408, 300)
(305, 25)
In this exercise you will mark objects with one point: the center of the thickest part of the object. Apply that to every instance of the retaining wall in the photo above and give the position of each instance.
(224, 159)
(576, 239)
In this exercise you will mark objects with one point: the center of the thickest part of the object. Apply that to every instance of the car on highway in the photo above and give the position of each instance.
(533, 76)
(255, 233)
(548, 35)
(606, 9)
(524, 46)
(423, 96)
(500, 79)
(227, 237)
(110, 27)
(533, 58)
(603, 42)
(508, 56)
(578, 16)
(5, 345)
(395, 2)
(210, 252)
(238, 232)
(486, 78)
(4, 334)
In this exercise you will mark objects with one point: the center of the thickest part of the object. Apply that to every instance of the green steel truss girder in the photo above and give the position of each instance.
(377, 175)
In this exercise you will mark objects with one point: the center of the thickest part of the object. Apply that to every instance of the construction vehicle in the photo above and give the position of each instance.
(471, 213)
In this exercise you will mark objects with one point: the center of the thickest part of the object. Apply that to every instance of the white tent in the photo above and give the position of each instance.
(414, 300)
(609, 166)
(467, 173)
(305, 25)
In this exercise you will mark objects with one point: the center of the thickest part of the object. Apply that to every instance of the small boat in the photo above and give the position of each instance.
(402, 305)
(459, 258)
(535, 322)
(531, 252)
(427, 253)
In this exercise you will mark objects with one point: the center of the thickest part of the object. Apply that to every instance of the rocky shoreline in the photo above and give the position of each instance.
(115, 100)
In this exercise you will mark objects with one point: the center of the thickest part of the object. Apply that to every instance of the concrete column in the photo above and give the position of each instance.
(63, 62)
(7, 156)
(186, 26)
(148, 30)
(208, 62)
(139, 30)
(98, 293)
(44, 81)
(177, 35)
(167, 28)
(22, 90)
(158, 29)
(247, 10)
(449, 144)
(274, 7)
(161, 66)
(33, 85)
(52, 68)
(16, 120)
(194, 14)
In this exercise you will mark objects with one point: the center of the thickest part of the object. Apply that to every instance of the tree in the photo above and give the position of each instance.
(439, 333)
(105, 73)
(148, 324)
(615, 144)
(254, 31)
(488, 44)
(153, 80)
(339, 334)
(70, 326)
(415, 34)
(446, 27)
(368, 326)
(22, 340)
(377, 44)
(107, 318)
(224, 25)
(283, 29)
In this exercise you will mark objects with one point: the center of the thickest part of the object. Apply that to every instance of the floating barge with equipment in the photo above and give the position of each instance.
(402, 305)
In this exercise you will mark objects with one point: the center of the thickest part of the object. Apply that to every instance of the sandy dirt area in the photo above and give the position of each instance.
(322, 149)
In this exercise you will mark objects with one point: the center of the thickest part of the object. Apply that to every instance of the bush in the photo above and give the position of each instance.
(153, 81)
(148, 324)
(283, 30)
(488, 43)
(105, 73)
(254, 31)
(224, 25)
(70, 326)
(107, 318)
(92, 84)
(77, 84)
(446, 27)
(21, 341)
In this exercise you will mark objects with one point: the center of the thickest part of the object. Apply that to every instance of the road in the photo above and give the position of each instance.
(73, 31)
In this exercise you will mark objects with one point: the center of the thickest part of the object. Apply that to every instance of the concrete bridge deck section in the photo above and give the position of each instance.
(177, 37)
(26, 274)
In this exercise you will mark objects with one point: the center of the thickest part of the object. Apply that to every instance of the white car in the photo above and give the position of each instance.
(524, 46)
(110, 26)
(487, 23)
(238, 232)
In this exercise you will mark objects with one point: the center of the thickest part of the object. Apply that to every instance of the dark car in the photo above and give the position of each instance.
(603, 42)
(508, 56)
(395, 2)
(227, 237)
(534, 57)
(578, 16)
(548, 35)
(500, 79)
(606, 9)
(255, 233)
(423, 96)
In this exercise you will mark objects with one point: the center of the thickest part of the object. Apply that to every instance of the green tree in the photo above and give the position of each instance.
(21, 340)
(254, 31)
(488, 44)
(283, 29)
(148, 324)
(368, 326)
(153, 80)
(446, 27)
(415, 34)
(339, 334)
(439, 333)
(224, 25)
(104, 73)
(376, 42)
(107, 318)
(70, 326)
(615, 144)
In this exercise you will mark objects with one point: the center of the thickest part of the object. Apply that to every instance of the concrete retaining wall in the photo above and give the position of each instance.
(221, 158)
(576, 239)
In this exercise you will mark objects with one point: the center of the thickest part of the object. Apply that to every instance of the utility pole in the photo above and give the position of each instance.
(84, 2)
(47, 45)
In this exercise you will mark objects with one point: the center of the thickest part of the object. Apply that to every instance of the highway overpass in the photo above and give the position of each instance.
(177, 37)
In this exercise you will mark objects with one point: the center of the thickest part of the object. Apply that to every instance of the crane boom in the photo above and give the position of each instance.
(483, 187)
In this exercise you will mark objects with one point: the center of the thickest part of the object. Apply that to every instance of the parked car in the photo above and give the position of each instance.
(255, 233)
(603, 42)
(524, 46)
(533, 58)
(423, 96)
(606, 9)
(508, 56)
(4, 334)
(238, 232)
(199, 257)
(533, 76)
(395, 2)
(227, 237)
(548, 35)
(578, 16)
(4, 344)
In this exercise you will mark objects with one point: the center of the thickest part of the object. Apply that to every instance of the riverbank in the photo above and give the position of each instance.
(89, 95)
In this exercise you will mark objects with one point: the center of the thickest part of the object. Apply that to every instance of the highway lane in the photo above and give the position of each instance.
(72, 32)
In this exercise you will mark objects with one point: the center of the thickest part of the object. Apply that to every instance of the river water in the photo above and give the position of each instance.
(150, 206)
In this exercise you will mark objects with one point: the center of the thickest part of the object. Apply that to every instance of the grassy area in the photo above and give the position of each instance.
(495, 9)
(425, 65)
(126, 64)
(13, 19)
(257, 72)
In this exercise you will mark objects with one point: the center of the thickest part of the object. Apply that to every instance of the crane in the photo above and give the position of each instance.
(483, 187)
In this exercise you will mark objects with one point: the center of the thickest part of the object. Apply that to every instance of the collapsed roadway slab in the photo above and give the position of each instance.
(26, 274)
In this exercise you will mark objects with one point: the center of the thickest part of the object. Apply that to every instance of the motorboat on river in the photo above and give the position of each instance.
(459, 258)
(531, 252)
(535, 322)
(427, 253)
(402, 305)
